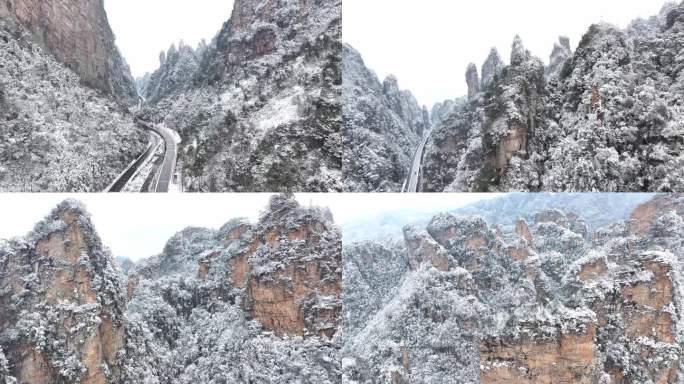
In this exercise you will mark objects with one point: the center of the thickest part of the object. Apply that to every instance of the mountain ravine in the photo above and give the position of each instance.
(605, 117)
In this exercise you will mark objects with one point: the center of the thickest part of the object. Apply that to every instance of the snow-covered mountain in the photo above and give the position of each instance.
(57, 134)
(460, 301)
(607, 117)
(596, 210)
(250, 302)
(258, 108)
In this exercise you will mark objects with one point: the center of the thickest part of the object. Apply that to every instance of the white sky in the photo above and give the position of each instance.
(139, 225)
(428, 44)
(143, 28)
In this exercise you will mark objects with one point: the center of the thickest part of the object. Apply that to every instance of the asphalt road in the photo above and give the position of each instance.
(415, 167)
(120, 184)
(168, 166)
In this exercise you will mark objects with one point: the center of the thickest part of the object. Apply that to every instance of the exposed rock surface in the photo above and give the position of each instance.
(560, 54)
(473, 81)
(539, 303)
(77, 33)
(440, 111)
(258, 108)
(247, 303)
(63, 302)
(176, 70)
(382, 128)
(492, 68)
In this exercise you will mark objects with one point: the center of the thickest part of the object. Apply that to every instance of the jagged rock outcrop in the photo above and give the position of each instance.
(176, 70)
(265, 295)
(473, 81)
(382, 127)
(491, 68)
(591, 105)
(552, 304)
(440, 111)
(77, 33)
(293, 274)
(560, 54)
(63, 302)
(262, 109)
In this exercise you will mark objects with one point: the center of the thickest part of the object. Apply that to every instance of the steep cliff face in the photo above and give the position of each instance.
(265, 296)
(294, 281)
(77, 33)
(260, 110)
(592, 105)
(63, 302)
(533, 303)
(382, 127)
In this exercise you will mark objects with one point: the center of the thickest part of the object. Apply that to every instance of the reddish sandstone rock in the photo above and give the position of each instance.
(77, 33)
(423, 249)
(523, 230)
(289, 265)
(567, 358)
(77, 285)
(643, 216)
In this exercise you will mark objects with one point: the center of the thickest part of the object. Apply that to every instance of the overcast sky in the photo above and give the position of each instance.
(428, 44)
(143, 28)
(138, 225)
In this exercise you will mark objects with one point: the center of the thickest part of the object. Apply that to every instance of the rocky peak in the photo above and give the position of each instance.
(645, 216)
(468, 232)
(673, 16)
(555, 216)
(561, 52)
(78, 34)
(404, 104)
(491, 68)
(523, 231)
(294, 281)
(287, 266)
(519, 54)
(440, 111)
(390, 86)
(473, 81)
(177, 69)
(64, 297)
(247, 12)
(422, 248)
(379, 138)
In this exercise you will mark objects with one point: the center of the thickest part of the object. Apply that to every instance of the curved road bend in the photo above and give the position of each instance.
(415, 167)
(126, 177)
(168, 166)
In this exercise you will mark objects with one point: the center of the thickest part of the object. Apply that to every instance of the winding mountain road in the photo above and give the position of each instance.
(415, 166)
(167, 169)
